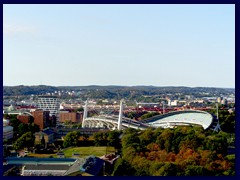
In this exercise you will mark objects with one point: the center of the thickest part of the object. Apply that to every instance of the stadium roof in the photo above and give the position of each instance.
(178, 118)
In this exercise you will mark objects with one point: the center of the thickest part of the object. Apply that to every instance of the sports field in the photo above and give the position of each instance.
(87, 151)
(82, 151)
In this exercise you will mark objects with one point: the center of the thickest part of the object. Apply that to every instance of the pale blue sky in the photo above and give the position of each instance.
(160, 45)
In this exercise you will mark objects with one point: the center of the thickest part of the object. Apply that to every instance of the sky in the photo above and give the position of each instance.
(159, 45)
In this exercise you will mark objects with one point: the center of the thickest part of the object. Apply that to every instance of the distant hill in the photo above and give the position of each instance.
(95, 91)
(27, 90)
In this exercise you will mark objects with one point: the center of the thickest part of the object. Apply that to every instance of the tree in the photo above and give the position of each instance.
(155, 167)
(193, 170)
(129, 140)
(71, 139)
(165, 140)
(22, 128)
(14, 123)
(228, 123)
(148, 115)
(33, 128)
(100, 138)
(146, 137)
(123, 168)
(168, 169)
(79, 109)
(43, 141)
(113, 139)
(141, 165)
(26, 140)
(217, 143)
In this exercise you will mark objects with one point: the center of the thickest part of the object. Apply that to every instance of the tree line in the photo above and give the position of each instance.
(183, 151)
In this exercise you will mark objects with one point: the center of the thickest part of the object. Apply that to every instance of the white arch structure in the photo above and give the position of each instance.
(168, 120)
(185, 117)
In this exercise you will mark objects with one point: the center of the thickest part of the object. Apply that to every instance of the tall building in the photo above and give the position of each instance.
(41, 118)
(51, 104)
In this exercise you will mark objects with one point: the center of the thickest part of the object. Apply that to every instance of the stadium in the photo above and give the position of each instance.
(183, 118)
(168, 120)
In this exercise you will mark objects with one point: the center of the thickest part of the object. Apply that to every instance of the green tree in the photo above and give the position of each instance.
(129, 140)
(168, 169)
(113, 139)
(141, 165)
(22, 128)
(193, 170)
(26, 140)
(14, 123)
(148, 115)
(146, 137)
(79, 109)
(33, 128)
(155, 166)
(123, 168)
(71, 139)
(217, 143)
(165, 139)
(100, 138)
(43, 141)
(227, 123)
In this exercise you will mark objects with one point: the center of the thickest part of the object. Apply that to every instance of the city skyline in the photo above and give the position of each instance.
(128, 45)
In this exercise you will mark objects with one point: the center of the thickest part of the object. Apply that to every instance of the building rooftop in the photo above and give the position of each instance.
(75, 167)
(92, 165)
(45, 131)
(47, 167)
(7, 128)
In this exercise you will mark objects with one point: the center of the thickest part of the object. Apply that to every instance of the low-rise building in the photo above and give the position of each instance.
(44, 170)
(7, 132)
(93, 166)
(24, 118)
(56, 167)
(74, 117)
(5, 122)
(48, 135)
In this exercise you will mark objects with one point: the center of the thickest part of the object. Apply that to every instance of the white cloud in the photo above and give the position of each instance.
(9, 29)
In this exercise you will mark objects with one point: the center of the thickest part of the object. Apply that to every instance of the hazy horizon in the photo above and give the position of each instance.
(119, 85)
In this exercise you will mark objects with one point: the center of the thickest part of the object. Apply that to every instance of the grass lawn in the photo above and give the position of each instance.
(87, 151)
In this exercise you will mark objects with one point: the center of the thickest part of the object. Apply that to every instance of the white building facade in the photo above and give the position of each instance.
(49, 103)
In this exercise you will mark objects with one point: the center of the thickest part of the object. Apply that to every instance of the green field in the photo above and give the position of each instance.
(83, 151)
(87, 151)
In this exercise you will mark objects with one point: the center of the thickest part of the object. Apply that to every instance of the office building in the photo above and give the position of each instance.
(41, 118)
(51, 104)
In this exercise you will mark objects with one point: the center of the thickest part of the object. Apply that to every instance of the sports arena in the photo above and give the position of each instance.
(168, 120)
(183, 118)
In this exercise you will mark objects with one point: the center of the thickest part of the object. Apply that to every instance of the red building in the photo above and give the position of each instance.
(25, 119)
(71, 116)
(41, 118)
